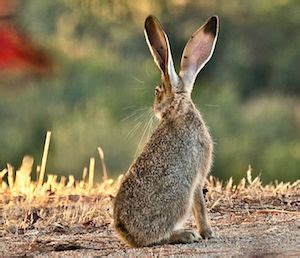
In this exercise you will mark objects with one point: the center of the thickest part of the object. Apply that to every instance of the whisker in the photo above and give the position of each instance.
(142, 137)
(139, 117)
(150, 127)
(133, 114)
(137, 79)
(128, 107)
(129, 116)
(134, 129)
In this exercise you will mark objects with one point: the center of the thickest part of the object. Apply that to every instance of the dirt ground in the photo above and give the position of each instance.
(252, 221)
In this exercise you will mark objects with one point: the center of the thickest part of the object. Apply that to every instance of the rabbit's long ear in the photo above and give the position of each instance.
(158, 43)
(198, 51)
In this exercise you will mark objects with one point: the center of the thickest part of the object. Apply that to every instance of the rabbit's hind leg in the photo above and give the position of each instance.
(200, 214)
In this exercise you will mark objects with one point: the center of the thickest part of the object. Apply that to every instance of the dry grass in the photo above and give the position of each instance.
(68, 214)
(24, 201)
(252, 191)
(69, 201)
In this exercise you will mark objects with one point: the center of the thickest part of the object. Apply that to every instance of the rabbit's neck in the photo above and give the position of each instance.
(179, 107)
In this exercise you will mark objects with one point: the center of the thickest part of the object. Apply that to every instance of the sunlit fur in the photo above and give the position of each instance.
(166, 180)
(157, 201)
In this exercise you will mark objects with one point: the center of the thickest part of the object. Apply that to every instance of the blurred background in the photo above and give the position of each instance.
(82, 69)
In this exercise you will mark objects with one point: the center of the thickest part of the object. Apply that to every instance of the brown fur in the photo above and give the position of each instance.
(165, 182)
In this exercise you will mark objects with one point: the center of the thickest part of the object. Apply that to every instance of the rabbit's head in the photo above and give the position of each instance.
(196, 54)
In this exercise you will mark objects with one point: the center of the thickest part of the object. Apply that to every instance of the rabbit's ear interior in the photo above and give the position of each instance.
(198, 51)
(159, 47)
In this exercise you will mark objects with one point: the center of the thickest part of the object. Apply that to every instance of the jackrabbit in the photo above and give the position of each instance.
(165, 182)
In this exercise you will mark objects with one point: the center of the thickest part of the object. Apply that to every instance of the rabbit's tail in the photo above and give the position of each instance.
(125, 235)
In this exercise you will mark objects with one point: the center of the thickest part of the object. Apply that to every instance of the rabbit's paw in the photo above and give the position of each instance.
(208, 233)
(185, 236)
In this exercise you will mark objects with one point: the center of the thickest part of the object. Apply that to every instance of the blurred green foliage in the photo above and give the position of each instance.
(104, 77)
